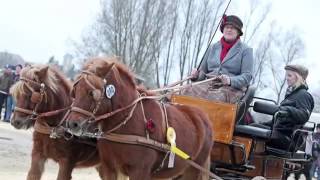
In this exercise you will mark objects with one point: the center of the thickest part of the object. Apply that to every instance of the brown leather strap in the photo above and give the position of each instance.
(25, 111)
(42, 128)
(197, 166)
(134, 139)
(54, 112)
(140, 140)
(81, 111)
(125, 120)
(107, 115)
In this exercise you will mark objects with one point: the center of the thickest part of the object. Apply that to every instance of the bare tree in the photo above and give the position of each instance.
(261, 58)
(290, 48)
(133, 30)
(10, 58)
(198, 19)
(168, 55)
(255, 18)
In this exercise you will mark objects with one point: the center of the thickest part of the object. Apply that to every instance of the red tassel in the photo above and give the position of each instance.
(150, 126)
(224, 18)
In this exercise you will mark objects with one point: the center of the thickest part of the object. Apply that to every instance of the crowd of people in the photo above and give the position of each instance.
(10, 75)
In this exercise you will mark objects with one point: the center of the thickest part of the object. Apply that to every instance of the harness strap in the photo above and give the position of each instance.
(125, 121)
(137, 140)
(25, 111)
(140, 140)
(163, 117)
(54, 112)
(42, 128)
(107, 115)
(82, 111)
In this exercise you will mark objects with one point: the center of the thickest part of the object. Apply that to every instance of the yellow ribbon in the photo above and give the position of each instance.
(171, 138)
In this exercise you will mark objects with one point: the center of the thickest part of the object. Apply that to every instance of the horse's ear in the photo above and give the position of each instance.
(42, 73)
(102, 71)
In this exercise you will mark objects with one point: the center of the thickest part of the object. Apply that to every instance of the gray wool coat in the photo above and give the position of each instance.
(237, 64)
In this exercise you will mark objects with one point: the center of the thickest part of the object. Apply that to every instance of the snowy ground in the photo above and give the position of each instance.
(15, 148)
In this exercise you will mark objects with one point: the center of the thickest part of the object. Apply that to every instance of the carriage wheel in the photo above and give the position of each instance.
(259, 178)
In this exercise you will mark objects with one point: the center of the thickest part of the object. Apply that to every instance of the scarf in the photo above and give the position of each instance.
(226, 46)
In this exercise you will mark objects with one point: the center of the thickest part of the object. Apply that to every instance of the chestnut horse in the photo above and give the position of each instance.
(130, 119)
(42, 96)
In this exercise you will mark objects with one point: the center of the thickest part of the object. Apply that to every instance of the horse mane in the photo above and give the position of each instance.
(94, 63)
(53, 80)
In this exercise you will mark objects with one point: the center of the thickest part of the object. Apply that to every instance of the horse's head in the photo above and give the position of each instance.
(103, 86)
(40, 89)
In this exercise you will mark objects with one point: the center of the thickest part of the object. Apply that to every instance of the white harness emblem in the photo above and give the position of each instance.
(110, 90)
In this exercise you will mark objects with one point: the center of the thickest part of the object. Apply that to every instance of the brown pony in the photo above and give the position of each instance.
(106, 91)
(41, 96)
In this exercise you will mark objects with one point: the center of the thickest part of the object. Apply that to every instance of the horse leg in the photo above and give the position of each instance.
(65, 169)
(37, 166)
(121, 176)
(140, 173)
(100, 171)
(207, 165)
(107, 173)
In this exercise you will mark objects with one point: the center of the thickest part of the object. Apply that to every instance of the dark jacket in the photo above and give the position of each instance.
(238, 64)
(6, 81)
(299, 105)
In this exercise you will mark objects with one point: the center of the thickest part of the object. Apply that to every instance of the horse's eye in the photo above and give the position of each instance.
(91, 93)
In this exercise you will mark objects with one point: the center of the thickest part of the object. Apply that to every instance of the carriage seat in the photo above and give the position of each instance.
(253, 132)
(244, 103)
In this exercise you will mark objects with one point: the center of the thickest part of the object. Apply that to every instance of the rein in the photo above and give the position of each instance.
(41, 127)
(181, 87)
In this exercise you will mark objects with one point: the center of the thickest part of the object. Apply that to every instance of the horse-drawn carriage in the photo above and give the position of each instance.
(240, 151)
(139, 132)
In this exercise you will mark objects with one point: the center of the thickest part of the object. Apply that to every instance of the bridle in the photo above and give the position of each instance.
(37, 98)
(98, 97)
(96, 94)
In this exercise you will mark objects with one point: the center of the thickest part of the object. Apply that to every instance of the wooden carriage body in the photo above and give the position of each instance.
(238, 153)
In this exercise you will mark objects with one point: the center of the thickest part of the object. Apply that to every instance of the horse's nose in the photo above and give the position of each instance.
(16, 123)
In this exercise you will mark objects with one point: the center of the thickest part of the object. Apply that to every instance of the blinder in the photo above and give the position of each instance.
(72, 93)
(96, 94)
(36, 97)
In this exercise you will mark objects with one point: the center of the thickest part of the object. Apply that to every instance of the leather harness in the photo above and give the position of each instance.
(122, 138)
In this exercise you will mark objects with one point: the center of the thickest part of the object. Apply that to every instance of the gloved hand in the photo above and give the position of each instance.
(194, 74)
(225, 79)
(282, 113)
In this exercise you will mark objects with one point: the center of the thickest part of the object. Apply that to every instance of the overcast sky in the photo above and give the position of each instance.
(38, 29)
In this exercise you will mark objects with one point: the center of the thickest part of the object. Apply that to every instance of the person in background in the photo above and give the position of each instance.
(315, 168)
(294, 111)
(6, 80)
(10, 101)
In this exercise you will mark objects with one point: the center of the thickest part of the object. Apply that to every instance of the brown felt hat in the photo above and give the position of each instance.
(303, 71)
(234, 21)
